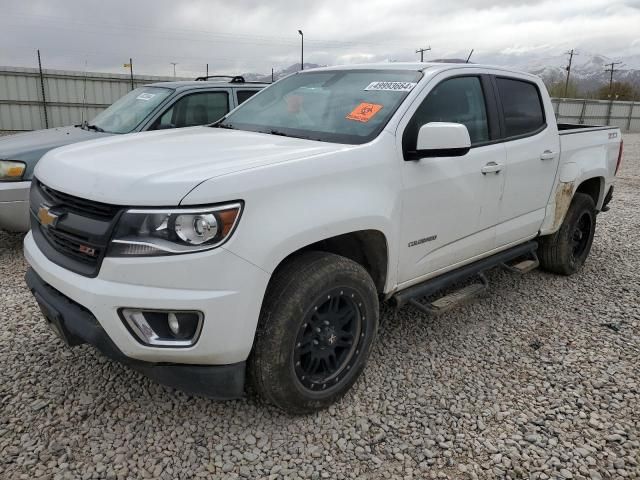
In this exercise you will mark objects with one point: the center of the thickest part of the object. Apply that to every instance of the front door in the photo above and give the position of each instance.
(450, 204)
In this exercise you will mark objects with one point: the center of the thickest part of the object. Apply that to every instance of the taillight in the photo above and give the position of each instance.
(619, 157)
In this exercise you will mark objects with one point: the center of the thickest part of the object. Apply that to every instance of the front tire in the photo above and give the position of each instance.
(565, 251)
(316, 329)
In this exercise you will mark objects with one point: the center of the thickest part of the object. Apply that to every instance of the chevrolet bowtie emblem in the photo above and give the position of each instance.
(47, 218)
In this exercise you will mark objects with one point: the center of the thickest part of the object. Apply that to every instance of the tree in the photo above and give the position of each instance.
(622, 91)
(557, 90)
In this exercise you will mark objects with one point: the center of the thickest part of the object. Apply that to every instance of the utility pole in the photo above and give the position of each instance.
(568, 69)
(207, 74)
(44, 97)
(421, 52)
(271, 74)
(611, 69)
(301, 49)
(174, 68)
(130, 67)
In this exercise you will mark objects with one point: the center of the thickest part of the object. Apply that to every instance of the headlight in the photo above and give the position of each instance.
(172, 231)
(11, 170)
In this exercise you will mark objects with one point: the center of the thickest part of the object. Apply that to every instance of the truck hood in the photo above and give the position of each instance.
(29, 147)
(160, 168)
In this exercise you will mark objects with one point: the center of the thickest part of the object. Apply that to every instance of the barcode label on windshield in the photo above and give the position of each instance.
(145, 96)
(390, 86)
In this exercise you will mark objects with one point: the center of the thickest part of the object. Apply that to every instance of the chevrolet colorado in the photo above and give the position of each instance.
(257, 250)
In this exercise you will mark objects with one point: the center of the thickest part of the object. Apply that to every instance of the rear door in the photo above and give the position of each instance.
(532, 156)
(449, 206)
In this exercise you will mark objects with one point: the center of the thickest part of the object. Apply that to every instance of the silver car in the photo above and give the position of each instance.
(152, 107)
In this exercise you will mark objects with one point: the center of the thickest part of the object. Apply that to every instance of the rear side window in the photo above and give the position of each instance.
(522, 107)
(244, 95)
(457, 100)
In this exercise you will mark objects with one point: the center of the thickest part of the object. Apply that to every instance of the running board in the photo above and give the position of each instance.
(456, 298)
(523, 266)
(431, 286)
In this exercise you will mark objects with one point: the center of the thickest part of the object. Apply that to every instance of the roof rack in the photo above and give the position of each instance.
(233, 78)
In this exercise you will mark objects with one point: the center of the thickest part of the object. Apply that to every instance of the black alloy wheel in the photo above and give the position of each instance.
(329, 339)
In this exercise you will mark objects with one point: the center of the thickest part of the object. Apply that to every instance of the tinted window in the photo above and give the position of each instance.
(245, 95)
(521, 105)
(458, 100)
(194, 109)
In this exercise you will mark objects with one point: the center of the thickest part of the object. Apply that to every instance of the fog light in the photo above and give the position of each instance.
(174, 325)
(163, 328)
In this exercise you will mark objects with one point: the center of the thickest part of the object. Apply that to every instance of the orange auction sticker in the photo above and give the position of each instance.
(364, 112)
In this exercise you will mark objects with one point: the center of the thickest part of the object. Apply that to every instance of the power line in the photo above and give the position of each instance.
(421, 52)
(568, 69)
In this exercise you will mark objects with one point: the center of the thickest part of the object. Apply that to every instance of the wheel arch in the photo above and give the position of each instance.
(368, 248)
(566, 189)
(594, 187)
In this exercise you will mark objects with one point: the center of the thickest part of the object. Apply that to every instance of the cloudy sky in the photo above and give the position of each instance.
(254, 36)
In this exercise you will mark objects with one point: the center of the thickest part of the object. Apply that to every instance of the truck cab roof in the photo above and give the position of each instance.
(432, 68)
(196, 84)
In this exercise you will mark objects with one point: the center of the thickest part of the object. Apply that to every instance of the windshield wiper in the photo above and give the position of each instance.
(220, 125)
(277, 132)
(94, 127)
(282, 134)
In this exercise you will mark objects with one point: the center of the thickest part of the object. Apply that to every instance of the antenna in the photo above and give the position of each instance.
(470, 53)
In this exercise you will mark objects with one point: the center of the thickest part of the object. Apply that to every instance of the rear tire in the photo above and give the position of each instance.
(318, 323)
(565, 251)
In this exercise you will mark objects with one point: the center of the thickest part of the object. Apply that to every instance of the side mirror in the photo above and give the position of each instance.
(441, 139)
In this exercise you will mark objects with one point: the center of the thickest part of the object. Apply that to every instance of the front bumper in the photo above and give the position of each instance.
(14, 206)
(227, 289)
(77, 325)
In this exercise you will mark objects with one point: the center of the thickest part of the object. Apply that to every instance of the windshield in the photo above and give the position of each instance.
(342, 106)
(127, 113)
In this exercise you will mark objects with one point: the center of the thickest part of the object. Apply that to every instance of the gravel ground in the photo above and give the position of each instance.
(539, 379)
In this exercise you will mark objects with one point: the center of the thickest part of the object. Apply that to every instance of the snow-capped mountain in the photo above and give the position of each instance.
(588, 71)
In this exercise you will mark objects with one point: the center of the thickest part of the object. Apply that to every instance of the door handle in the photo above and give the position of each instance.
(547, 155)
(491, 167)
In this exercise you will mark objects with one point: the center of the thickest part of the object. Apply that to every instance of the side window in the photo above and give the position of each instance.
(457, 100)
(244, 95)
(194, 109)
(521, 105)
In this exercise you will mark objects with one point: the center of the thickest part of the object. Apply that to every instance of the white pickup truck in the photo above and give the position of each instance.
(256, 250)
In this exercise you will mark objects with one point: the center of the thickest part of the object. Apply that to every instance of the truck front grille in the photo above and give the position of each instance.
(72, 246)
(81, 206)
(78, 237)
